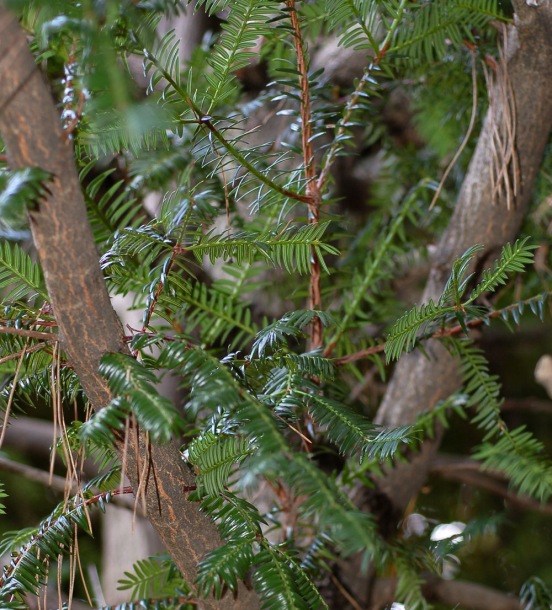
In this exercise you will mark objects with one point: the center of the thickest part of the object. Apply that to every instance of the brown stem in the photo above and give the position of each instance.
(421, 380)
(313, 191)
(33, 334)
(89, 328)
(450, 593)
(467, 471)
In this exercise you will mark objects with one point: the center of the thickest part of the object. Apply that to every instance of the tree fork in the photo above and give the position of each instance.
(418, 382)
(88, 326)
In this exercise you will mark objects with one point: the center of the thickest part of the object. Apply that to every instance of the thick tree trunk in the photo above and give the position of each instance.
(88, 325)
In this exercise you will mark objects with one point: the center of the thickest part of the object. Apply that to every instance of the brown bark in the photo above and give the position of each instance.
(418, 382)
(88, 325)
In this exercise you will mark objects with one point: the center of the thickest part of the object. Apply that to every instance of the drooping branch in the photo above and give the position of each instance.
(88, 326)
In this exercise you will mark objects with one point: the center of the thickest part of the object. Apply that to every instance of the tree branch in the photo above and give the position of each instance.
(466, 470)
(418, 382)
(88, 325)
(450, 593)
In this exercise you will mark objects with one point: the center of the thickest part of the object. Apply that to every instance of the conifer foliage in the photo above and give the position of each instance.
(267, 300)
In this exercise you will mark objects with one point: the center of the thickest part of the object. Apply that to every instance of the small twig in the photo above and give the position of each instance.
(345, 593)
(306, 439)
(468, 132)
(177, 249)
(313, 189)
(440, 334)
(29, 350)
(32, 334)
(12, 394)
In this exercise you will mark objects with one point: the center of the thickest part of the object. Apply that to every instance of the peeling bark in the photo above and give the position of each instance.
(418, 382)
(88, 326)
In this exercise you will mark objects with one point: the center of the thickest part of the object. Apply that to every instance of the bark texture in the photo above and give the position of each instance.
(88, 326)
(418, 382)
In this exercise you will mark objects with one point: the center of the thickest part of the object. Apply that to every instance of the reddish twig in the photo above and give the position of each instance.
(440, 334)
(33, 334)
(88, 502)
(313, 190)
(177, 249)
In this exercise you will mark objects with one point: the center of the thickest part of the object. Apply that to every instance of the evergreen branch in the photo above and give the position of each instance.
(113, 210)
(243, 161)
(20, 273)
(282, 582)
(154, 577)
(206, 122)
(134, 391)
(409, 583)
(481, 387)
(240, 275)
(404, 333)
(291, 248)
(28, 569)
(356, 19)
(372, 268)
(535, 303)
(348, 430)
(214, 386)
(201, 305)
(291, 324)
(352, 102)
(513, 259)
(247, 21)
(433, 26)
(226, 565)
(351, 530)
(520, 456)
(215, 456)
